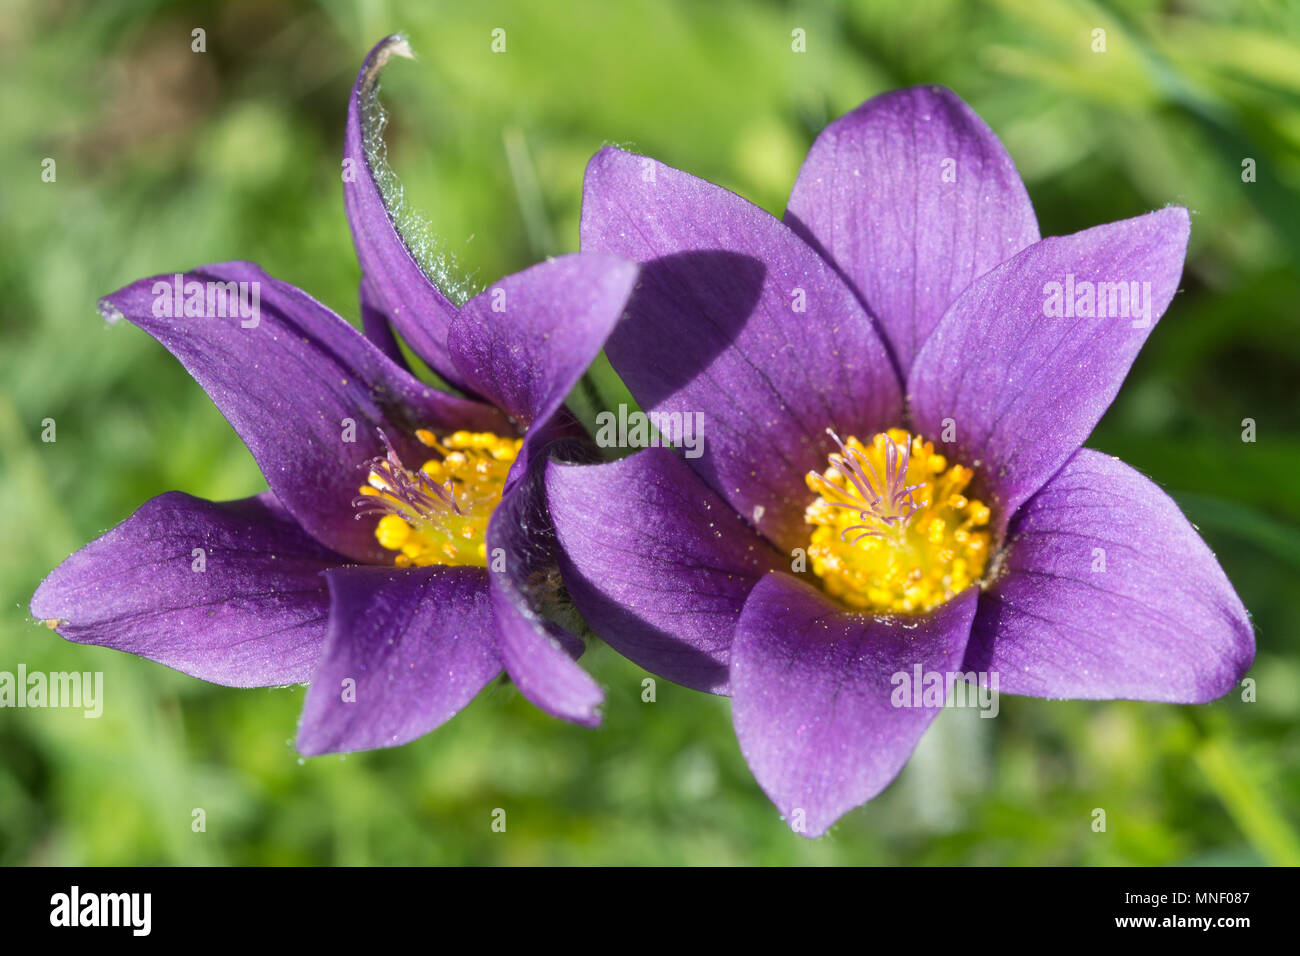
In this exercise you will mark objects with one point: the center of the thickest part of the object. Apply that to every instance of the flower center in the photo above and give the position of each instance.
(439, 513)
(892, 531)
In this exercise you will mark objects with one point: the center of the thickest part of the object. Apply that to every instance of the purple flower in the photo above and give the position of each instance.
(896, 381)
(402, 555)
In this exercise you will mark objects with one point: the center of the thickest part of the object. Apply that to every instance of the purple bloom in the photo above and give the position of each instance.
(896, 380)
(402, 555)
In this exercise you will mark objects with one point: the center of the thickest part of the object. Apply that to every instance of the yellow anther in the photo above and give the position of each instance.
(439, 513)
(893, 531)
(392, 532)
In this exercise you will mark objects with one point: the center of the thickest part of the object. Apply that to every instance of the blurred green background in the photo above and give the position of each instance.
(167, 159)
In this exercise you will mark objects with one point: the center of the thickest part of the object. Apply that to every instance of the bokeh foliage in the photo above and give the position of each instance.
(168, 159)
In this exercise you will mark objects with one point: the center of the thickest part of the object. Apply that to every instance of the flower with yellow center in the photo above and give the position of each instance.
(893, 531)
(439, 513)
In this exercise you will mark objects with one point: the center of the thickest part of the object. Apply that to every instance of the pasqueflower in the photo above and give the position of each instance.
(401, 558)
(896, 382)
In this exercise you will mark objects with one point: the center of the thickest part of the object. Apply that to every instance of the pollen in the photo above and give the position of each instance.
(438, 513)
(893, 530)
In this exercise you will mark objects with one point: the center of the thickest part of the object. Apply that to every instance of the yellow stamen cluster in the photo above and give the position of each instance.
(893, 531)
(440, 514)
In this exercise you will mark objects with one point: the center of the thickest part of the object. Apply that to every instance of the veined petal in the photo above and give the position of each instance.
(397, 283)
(656, 562)
(407, 649)
(375, 325)
(911, 196)
(1109, 592)
(306, 392)
(739, 320)
(1022, 386)
(539, 655)
(814, 691)
(524, 343)
(229, 592)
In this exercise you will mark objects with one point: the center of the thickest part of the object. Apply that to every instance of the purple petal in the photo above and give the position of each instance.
(539, 655)
(524, 343)
(377, 328)
(911, 196)
(657, 564)
(290, 384)
(247, 610)
(407, 649)
(811, 689)
(719, 333)
(1022, 389)
(1109, 592)
(399, 288)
